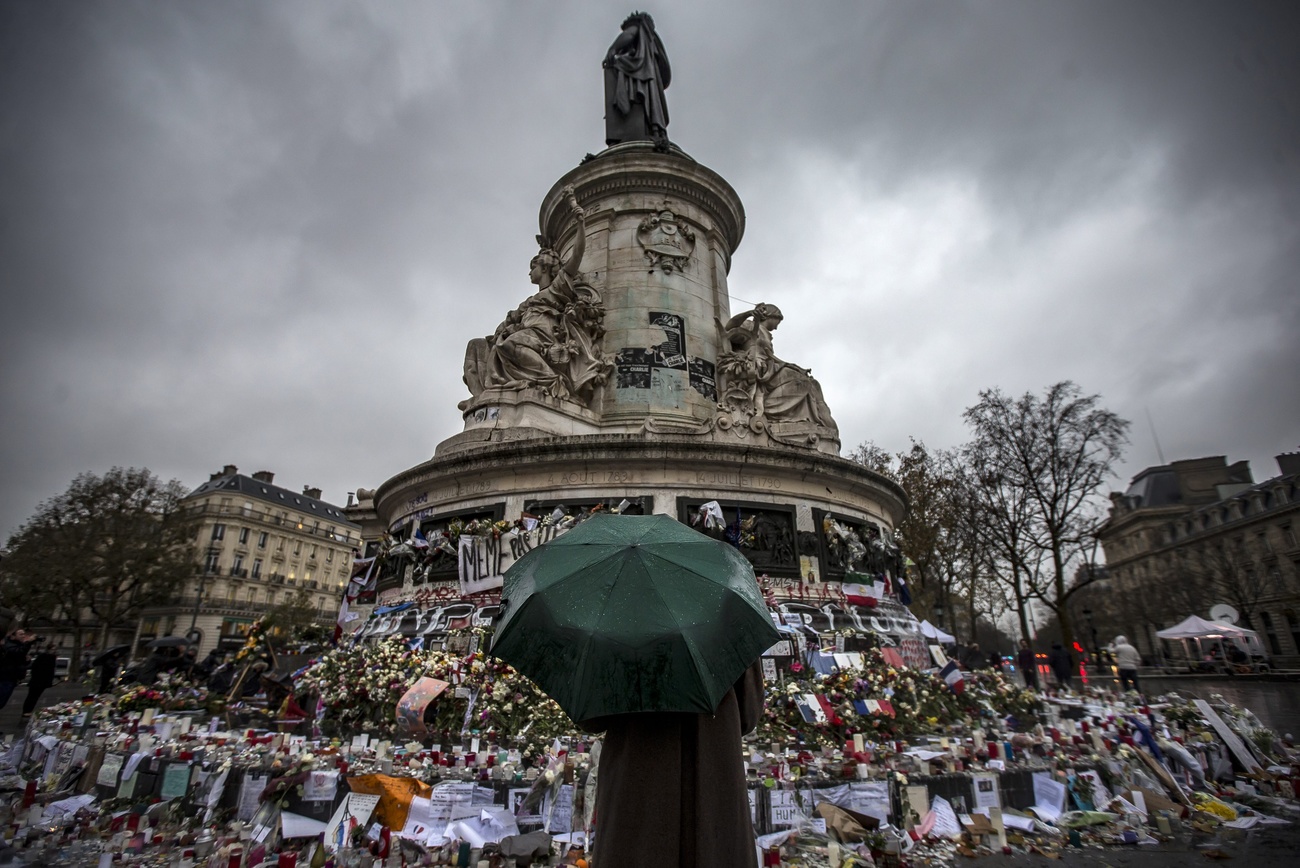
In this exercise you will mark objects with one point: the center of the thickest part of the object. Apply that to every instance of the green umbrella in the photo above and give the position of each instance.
(632, 613)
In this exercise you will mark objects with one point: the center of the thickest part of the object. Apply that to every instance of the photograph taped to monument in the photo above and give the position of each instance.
(703, 377)
(632, 367)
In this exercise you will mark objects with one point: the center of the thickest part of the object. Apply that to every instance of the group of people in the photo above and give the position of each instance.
(40, 670)
(1060, 662)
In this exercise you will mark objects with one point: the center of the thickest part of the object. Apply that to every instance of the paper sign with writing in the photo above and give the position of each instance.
(782, 808)
(249, 790)
(413, 704)
(176, 781)
(109, 769)
(352, 812)
(483, 560)
(320, 786)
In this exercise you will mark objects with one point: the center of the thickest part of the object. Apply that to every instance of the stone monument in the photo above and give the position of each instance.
(624, 382)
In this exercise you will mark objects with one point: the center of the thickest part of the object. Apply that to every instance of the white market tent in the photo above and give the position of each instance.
(930, 631)
(1198, 629)
(1195, 627)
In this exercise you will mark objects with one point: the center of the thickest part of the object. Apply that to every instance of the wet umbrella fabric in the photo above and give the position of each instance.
(169, 642)
(632, 613)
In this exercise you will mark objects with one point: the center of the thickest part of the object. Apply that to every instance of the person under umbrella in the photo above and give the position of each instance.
(651, 633)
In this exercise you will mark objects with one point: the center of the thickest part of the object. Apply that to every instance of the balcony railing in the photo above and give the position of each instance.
(239, 572)
(346, 538)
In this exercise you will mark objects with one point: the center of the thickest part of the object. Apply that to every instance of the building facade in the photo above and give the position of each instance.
(1193, 535)
(259, 546)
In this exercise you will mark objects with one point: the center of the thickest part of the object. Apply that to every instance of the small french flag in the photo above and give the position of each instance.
(418, 540)
(952, 677)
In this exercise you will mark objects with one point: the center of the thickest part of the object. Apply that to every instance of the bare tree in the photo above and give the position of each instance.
(1049, 457)
(96, 555)
(943, 556)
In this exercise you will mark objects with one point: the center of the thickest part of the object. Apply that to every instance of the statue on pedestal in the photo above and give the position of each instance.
(636, 75)
(757, 388)
(552, 341)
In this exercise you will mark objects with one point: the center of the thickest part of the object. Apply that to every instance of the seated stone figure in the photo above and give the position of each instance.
(759, 385)
(551, 342)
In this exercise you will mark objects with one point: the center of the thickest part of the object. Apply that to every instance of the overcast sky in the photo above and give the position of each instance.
(261, 233)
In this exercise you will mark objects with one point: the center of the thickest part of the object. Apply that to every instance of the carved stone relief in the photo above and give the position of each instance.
(668, 244)
(553, 341)
(759, 392)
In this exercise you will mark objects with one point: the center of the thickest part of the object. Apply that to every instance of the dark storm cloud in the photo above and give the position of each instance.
(262, 233)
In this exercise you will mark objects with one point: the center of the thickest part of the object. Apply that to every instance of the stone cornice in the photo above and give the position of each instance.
(637, 167)
(684, 452)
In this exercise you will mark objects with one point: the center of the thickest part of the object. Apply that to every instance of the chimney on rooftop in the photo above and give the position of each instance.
(311, 492)
(228, 470)
(1289, 463)
(264, 476)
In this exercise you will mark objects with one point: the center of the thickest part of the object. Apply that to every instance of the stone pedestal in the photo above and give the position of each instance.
(661, 233)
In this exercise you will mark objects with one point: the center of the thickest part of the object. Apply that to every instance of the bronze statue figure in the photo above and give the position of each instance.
(636, 75)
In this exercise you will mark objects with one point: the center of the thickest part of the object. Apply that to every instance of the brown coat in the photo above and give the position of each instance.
(671, 787)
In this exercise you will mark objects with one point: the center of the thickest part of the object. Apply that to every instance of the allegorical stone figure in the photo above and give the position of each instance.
(636, 76)
(759, 385)
(552, 341)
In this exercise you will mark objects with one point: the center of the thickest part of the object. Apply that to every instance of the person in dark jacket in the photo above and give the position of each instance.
(1058, 659)
(13, 662)
(671, 787)
(1028, 664)
(42, 676)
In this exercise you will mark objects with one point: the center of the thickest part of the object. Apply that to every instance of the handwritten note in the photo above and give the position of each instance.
(109, 768)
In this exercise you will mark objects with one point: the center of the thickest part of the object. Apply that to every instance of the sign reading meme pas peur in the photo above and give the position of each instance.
(483, 560)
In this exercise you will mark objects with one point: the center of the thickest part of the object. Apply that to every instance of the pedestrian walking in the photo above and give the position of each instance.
(1028, 664)
(42, 676)
(1127, 660)
(1062, 666)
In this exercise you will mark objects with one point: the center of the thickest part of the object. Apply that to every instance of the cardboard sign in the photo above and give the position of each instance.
(413, 704)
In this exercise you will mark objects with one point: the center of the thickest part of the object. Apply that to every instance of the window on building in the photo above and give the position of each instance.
(232, 593)
(257, 568)
(218, 532)
(243, 536)
(313, 552)
(307, 577)
(1293, 627)
(297, 548)
(1261, 539)
(261, 539)
(248, 507)
(210, 563)
(238, 566)
(270, 598)
(279, 544)
(252, 595)
(329, 556)
(1289, 536)
(1267, 620)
